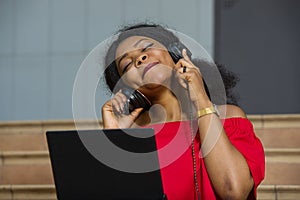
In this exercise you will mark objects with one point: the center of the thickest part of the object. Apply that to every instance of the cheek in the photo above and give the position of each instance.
(131, 78)
(164, 57)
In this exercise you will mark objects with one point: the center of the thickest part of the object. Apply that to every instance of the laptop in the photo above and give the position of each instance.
(105, 164)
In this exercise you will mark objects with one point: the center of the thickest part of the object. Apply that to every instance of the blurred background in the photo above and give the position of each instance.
(44, 42)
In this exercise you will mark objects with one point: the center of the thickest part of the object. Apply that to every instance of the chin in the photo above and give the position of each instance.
(152, 90)
(157, 78)
(151, 86)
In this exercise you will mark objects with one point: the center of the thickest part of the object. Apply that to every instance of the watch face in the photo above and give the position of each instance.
(216, 110)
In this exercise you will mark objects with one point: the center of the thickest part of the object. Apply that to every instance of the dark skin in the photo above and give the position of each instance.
(227, 168)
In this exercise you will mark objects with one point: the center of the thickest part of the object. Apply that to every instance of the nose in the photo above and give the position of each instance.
(141, 59)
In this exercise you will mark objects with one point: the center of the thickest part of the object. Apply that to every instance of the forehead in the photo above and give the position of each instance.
(127, 45)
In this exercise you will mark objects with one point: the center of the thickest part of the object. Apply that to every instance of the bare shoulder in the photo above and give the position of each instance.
(230, 111)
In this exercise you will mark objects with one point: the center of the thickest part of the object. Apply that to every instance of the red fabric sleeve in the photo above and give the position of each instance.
(241, 134)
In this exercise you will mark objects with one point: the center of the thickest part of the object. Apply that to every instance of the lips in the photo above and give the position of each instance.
(149, 66)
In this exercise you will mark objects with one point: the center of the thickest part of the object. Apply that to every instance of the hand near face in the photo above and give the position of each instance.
(192, 75)
(113, 113)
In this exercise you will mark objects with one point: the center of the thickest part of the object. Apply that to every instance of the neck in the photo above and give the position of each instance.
(165, 108)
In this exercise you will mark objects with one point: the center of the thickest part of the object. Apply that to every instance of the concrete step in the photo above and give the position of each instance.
(282, 166)
(34, 167)
(282, 173)
(26, 167)
(278, 192)
(282, 155)
(27, 192)
(275, 131)
(279, 137)
(47, 192)
(24, 157)
(30, 135)
(275, 121)
(41, 126)
(273, 155)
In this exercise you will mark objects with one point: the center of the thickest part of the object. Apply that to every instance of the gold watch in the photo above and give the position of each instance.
(209, 110)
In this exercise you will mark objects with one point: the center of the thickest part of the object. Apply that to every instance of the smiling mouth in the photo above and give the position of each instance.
(149, 66)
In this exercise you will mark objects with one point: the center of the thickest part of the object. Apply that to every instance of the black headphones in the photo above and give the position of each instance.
(175, 50)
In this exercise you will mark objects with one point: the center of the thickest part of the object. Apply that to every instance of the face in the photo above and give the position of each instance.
(144, 63)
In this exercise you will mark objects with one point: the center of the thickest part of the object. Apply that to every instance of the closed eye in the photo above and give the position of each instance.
(146, 47)
(125, 68)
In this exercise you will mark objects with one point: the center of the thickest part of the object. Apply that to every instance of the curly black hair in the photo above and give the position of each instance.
(165, 37)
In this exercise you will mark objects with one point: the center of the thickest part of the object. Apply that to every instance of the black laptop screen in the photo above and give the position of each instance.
(80, 175)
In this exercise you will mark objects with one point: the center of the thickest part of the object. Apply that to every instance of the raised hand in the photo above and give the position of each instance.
(113, 113)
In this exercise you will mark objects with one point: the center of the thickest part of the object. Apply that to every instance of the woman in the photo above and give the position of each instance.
(233, 166)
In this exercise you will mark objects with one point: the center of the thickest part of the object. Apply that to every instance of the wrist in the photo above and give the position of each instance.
(203, 103)
(208, 110)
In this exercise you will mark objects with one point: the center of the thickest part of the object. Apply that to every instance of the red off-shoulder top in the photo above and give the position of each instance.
(173, 141)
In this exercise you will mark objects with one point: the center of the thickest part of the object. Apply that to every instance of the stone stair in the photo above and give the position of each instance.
(25, 168)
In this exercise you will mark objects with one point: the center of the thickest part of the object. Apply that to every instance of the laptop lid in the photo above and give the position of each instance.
(85, 167)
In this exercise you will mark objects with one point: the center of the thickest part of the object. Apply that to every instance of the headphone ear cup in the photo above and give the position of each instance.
(138, 100)
(135, 99)
(128, 106)
(175, 51)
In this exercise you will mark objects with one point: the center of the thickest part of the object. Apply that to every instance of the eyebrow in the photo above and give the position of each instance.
(135, 45)
(138, 42)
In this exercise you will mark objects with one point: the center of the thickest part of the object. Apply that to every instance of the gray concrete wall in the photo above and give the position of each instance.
(43, 42)
(259, 40)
